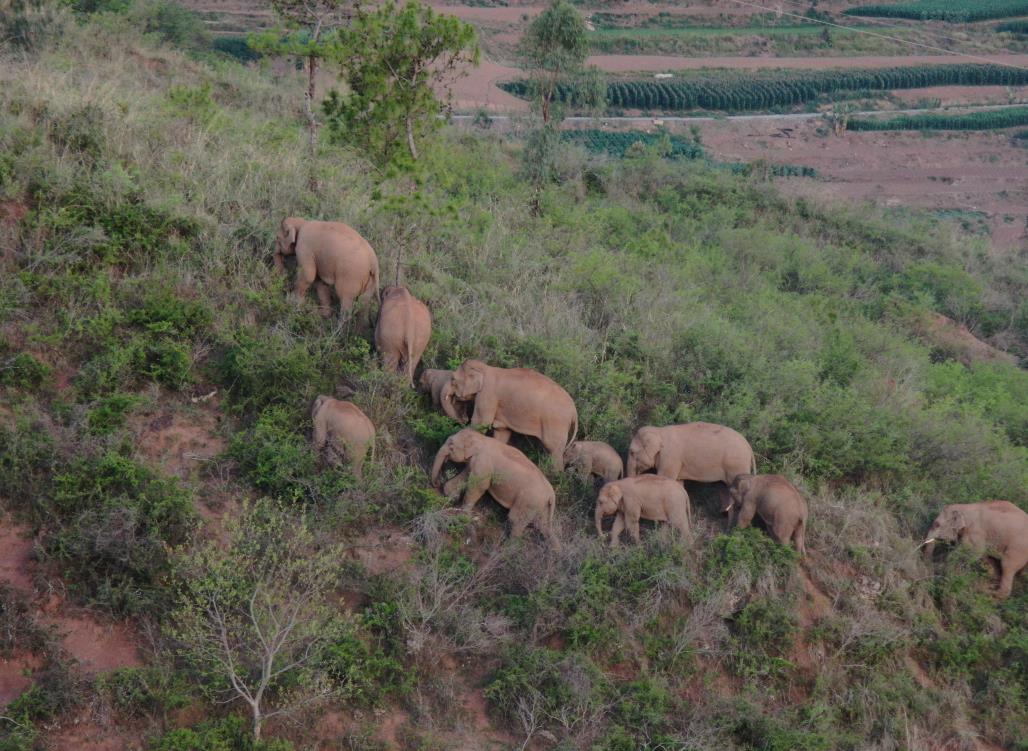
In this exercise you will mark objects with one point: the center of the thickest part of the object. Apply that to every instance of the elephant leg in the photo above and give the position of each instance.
(1006, 579)
(502, 435)
(391, 362)
(477, 486)
(345, 303)
(781, 532)
(632, 522)
(799, 539)
(452, 487)
(518, 521)
(617, 529)
(324, 298)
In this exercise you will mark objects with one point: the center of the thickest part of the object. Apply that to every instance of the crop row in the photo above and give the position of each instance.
(618, 143)
(989, 120)
(958, 11)
(1014, 27)
(734, 93)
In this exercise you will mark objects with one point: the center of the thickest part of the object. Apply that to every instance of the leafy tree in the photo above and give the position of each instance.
(393, 61)
(554, 48)
(255, 616)
(311, 23)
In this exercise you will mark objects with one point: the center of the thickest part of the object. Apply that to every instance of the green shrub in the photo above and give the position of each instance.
(28, 461)
(282, 463)
(112, 522)
(763, 631)
(151, 691)
(229, 734)
(749, 550)
(18, 629)
(110, 412)
(359, 662)
(170, 22)
(23, 371)
(551, 681)
(758, 732)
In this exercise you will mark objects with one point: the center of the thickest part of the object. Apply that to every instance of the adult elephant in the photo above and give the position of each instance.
(776, 500)
(333, 257)
(697, 451)
(505, 473)
(996, 529)
(518, 400)
(403, 330)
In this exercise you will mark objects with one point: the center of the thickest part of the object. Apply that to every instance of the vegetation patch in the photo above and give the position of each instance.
(989, 120)
(956, 11)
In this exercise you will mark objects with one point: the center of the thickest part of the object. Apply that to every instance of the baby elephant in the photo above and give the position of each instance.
(439, 385)
(505, 473)
(595, 458)
(403, 330)
(778, 502)
(996, 529)
(644, 497)
(346, 430)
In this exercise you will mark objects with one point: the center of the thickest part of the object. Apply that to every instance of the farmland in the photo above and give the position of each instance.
(955, 11)
(990, 120)
(729, 92)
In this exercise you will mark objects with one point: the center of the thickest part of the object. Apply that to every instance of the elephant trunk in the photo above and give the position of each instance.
(440, 460)
(631, 467)
(599, 520)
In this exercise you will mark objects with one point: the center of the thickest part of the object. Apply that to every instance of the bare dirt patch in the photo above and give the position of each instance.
(16, 546)
(954, 337)
(383, 550)
(99, 647)
(179, 443)
(16, 676)
(977, 177)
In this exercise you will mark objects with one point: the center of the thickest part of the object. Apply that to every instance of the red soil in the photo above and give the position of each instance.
(16, 676)
(177, 443)
(382, 550)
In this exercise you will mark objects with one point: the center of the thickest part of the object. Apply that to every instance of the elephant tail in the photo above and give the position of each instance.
(573, 433)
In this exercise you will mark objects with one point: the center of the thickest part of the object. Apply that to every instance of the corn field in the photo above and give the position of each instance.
(732, 92)
(990, 120)
(958, 11)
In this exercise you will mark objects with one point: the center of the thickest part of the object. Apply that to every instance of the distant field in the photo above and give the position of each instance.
(958, 11)
(731, 91)
(715, 31)
(990, 120)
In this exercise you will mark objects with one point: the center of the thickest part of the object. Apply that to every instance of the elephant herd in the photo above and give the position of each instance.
(333, 257)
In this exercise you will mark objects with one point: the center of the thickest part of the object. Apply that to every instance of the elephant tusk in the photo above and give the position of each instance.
(728, 508)
(930, 539)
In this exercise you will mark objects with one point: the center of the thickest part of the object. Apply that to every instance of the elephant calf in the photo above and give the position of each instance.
(644, 497)
(439, 385)
(997, 529)
(333, 257)
(505, 473)
(595, 458)
(403, 330)
(345, 429)
(779, 503)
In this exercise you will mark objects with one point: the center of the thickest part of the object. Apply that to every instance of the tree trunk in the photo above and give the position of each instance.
(410, 139)
(312, 121)
(257, 720)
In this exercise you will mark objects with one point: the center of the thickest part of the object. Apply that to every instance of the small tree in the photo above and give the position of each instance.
(310, 22)
(554, 49)
(393, 61)
(254, 617)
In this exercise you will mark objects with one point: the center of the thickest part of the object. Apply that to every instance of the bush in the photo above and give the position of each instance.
(281, 462)
(111, 522)
(229, 734)
(23, 371)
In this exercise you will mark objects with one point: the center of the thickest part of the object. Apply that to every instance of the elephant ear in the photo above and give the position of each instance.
(958, 520)
(290, 228)
(318, 404)
(653, 444)
(475, 377)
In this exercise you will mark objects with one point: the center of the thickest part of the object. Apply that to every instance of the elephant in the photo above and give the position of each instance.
(403, 330)
(439, 384)
(779, 503)
(643, 497)
(697, 451)
(997, 529)
(505, 473)
(346, 429)
(331, 256)
(595, 458)
(518, 400)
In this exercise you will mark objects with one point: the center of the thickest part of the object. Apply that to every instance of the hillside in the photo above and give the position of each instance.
(156, 382)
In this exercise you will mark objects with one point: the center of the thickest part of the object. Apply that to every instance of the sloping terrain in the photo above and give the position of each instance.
(156, 381)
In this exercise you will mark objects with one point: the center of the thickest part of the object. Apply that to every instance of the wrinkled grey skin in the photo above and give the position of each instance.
(997, 529)
(776, 500)
(595, 458)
